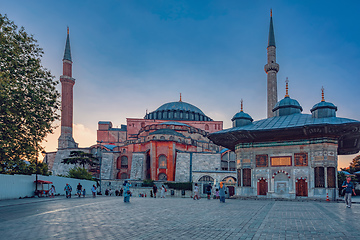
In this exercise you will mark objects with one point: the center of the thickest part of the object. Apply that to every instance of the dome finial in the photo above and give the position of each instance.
(322, 94)
(180, 98)
(68, 30)
(270, 12)
(287, 87)
(241, 110)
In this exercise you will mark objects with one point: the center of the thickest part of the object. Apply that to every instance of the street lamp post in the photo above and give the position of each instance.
(100, 158)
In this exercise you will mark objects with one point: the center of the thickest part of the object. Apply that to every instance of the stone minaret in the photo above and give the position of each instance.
(271, 69)
(67, 82)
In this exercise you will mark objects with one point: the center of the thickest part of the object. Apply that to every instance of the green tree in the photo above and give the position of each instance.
(80, 173)
(80, 157)
(28, 98)
(355, 164)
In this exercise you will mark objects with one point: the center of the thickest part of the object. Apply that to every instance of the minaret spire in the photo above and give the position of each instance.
(322, 94)
(180, 98)
(67, 53)
(241, 110)
(67, 83)
(271, 69)
(287, 87)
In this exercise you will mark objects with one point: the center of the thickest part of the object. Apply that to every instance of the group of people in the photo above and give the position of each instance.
(79, 190)
(348, 190)
(162, 191)
(219, 192)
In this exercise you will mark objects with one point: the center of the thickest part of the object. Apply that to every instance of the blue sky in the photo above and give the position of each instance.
(129, 56)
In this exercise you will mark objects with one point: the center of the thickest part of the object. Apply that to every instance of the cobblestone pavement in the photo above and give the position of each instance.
(176, 218)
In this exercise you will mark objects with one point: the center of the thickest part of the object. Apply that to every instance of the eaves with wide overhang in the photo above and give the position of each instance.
(289, 124)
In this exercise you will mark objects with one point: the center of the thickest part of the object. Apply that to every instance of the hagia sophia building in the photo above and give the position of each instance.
(287, 155)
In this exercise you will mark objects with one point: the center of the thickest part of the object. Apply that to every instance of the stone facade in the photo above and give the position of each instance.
(137, 166)
(277, 167)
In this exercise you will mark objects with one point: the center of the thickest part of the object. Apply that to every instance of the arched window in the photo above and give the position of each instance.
(206, 127)
(123, 176)
(124, 162)
(229, 180)
(206, 179)
(162, 177)
(162, 138)
(171, 138)
(162, 162)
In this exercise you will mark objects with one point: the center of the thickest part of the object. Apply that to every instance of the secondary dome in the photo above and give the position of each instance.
(182, 111)
(323, 109)
(287, 106)
(241, 118)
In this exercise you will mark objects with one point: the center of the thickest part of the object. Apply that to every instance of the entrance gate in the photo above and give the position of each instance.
(262, 187)
(301, 187)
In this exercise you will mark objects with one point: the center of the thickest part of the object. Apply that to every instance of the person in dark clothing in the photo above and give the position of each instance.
(121, 192)
(208, 190)
(155, 190)
(349, 189)
(79, 189)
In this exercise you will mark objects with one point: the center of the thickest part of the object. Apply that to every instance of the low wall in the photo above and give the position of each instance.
(15, 186)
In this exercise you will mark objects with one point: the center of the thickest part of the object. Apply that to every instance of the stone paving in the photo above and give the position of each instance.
(176, 218)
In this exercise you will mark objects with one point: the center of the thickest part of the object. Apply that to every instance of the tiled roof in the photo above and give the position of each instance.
(288, 121)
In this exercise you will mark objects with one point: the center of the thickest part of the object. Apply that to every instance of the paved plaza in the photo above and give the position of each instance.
(175, 218)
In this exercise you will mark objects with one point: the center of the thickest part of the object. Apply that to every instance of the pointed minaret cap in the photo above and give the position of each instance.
(67, 53)
(271, 41)
(180, 98)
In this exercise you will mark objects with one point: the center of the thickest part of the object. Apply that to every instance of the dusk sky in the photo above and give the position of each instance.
(129, 56)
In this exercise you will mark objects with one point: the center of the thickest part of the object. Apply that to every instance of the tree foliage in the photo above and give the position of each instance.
(355, 164)
(28, 98)
(79, 173)
(80, 157)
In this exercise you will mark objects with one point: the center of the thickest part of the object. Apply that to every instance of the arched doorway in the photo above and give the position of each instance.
(262, 186)
(301, 187)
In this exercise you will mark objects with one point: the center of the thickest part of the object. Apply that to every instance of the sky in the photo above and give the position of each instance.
(133, 56)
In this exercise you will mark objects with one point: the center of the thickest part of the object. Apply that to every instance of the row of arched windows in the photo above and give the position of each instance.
(122, 162)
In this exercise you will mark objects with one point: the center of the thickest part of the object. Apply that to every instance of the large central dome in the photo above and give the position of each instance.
(178, 111)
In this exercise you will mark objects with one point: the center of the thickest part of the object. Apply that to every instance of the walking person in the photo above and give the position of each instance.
(208, 191)
(68, 190)
(79, 189)
(93, 190)
(84, 192)
(163, 190)
(196, 192)
(154, 190)
(121, 192)
(217, 194)
(52, 191)
(222, 192)
(127, 192)
(349, 189)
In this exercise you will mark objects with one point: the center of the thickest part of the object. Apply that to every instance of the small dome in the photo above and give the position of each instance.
(323, 109)
(287, 106)
(241, 119)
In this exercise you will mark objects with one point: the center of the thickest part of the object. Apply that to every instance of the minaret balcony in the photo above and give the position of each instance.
(271, 67)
